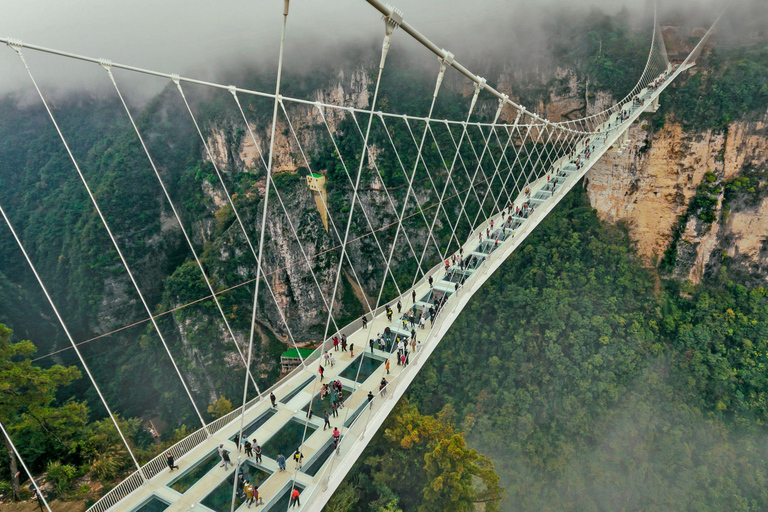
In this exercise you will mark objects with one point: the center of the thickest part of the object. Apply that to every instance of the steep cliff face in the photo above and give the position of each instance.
(651, 184)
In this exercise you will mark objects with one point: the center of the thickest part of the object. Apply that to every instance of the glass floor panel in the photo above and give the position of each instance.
(501, 234)
(220, 500)
(542, 195)
(514, 223)
(472, 261)
(253, 426)
(190, 477)
(319, 459)
(486, 247)
(290, 396)
(287, 439)
(283, 501)
(354, 415)
(435, 295)
(153, 504)
(362, 370)
(319, 407)
(456, 276)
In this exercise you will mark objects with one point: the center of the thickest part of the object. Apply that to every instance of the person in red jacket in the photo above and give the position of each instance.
(295, 498)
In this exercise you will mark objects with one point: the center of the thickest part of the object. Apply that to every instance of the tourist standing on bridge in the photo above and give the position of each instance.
(171, 464)
(336, 343)
(280, 462)
(386, 365)
(273, 399)
(224, 457)
(327, 418)
(298, 457)
(399, 306)
(248, 447)
(295, 498)
(248, 493)
(365, 321)
(413, 295)
(343, 343)
(321, 370)
(257, 452)
(389, 314)
(370, 342)
(430, 281)
(334, 409)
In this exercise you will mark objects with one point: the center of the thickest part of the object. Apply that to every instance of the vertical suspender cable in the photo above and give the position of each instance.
(111, 236)
(261, 234)
(69, 337)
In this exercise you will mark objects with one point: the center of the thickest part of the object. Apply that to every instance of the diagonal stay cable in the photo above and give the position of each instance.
(71, 340)
(112, 238)
(107, 67)
(381, 177)
(287, 216)
(456, 155)
(24, 465)
(349, 178)
(330, 217)
(226, 290)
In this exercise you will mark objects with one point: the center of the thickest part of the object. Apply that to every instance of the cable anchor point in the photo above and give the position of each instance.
(176, 79)
(15, 44)
(393, 20)
(233, 90)
(106, 64)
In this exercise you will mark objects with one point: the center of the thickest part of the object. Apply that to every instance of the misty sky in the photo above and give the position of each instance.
(202, 38)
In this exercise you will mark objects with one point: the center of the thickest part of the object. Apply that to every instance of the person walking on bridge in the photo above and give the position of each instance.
(171, 464)
(273, 399)
(327, 418)
(280, 462)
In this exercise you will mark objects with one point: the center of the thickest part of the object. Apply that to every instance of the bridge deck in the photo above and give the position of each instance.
(201, 484)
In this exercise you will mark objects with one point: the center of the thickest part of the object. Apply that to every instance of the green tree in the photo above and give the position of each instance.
(27, 393)
(220, 407)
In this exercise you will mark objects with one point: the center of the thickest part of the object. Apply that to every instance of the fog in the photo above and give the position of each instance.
(212, 39)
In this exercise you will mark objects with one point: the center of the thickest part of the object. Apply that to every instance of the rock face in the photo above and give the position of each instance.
(650, 186)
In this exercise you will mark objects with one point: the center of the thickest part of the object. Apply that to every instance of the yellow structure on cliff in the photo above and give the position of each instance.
(316, 183)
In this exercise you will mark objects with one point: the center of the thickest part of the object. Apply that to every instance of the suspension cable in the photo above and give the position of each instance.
(107, 67)
(69, 337)
(111, 236)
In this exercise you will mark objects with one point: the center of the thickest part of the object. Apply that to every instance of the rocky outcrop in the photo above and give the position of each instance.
(649, 186)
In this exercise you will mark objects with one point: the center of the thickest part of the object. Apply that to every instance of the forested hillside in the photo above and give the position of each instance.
(594, 385)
